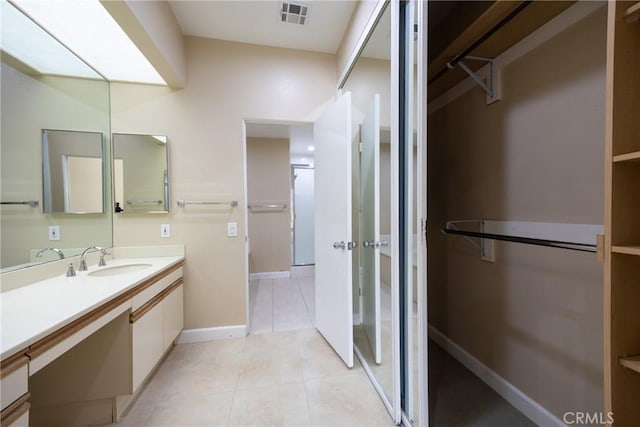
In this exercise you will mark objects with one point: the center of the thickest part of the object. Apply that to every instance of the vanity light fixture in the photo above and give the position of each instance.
(89, 31)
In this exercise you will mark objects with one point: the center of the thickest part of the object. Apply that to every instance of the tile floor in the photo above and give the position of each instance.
(282, 304)
(285, 374)
(282, 374)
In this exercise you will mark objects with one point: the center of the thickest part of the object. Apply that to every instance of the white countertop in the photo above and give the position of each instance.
(31, 312)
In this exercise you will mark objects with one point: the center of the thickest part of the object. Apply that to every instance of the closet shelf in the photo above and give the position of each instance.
(628, 157)
(633, 13)
(501, 26)
(627, 250)
(631, 362)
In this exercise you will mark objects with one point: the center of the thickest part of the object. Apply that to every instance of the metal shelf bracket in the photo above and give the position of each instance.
(491, 85)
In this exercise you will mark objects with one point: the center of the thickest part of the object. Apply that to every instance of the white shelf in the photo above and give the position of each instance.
(628, 250)
(633, 13)
(632, 363)
(628, 157)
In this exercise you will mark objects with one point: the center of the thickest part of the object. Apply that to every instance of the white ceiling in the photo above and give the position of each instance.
(258, 22)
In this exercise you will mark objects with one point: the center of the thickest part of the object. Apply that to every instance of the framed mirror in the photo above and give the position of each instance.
(45, 86)
(72, 172)
(140, 173)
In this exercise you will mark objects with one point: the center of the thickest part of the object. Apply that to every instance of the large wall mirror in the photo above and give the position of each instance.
(375, 331)
(44, 86)
(369, 82)
(140, 173)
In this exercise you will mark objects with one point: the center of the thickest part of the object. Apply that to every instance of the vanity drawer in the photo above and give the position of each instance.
(14, 380)
(146, 344)
(157, 284)
(16, 414)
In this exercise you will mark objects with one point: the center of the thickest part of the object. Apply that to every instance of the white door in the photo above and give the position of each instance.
(334, 310)
(370, 184)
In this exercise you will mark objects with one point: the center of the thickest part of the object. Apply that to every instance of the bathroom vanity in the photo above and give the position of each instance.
(76, 350)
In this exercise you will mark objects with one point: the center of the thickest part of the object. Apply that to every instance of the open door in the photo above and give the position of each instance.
(370, 182)
(333, 257)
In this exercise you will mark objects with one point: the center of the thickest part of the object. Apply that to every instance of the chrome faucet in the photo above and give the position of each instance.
(56, 250)
(83, 262)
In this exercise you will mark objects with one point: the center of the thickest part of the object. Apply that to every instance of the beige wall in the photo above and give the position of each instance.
(30, 104)
(368, 77)
(360, 18)
(269, 182)
(226, 83)
(535, 315)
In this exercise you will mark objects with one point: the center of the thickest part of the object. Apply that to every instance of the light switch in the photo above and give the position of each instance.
(165, 230)
(54, 232)
(232, 229)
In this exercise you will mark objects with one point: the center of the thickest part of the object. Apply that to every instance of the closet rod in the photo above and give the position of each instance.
(582, 247)
(459, 57)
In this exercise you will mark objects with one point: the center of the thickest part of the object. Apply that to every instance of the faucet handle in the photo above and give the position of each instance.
(102, 262)
(70, 271)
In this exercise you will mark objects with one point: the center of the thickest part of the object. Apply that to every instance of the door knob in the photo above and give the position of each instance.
(368, 243)
(352, 245)
(382, 244)
(339, 245)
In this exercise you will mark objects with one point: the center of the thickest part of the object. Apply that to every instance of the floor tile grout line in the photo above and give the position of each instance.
(304, 300)
(272, 298)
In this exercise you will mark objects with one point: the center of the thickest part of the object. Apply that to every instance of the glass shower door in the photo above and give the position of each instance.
(303, 215)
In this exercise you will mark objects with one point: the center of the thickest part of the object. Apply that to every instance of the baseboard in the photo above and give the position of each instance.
(529, 407)
(188, 336)
(270, 275)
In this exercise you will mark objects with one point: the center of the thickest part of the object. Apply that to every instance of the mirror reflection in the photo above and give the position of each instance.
(140, 173)
(38, 93)
(370, 82)
(72, 173)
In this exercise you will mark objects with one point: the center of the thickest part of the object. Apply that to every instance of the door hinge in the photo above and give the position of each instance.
(360, 146)
(423, 225)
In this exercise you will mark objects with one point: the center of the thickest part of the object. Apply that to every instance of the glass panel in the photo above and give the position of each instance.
(303, 204)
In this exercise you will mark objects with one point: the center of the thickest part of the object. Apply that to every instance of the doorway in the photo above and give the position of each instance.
(280, 226)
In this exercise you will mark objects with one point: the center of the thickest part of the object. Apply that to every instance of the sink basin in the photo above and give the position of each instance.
(118, 269)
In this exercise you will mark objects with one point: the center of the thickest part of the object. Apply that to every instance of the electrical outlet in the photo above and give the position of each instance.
(232, 229)
(54, 232)
(165, 230)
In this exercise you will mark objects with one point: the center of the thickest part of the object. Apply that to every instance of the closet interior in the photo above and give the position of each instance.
(537, 167)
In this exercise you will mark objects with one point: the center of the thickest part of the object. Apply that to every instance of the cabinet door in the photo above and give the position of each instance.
(14, 384)
(173, 314)
(147, 344)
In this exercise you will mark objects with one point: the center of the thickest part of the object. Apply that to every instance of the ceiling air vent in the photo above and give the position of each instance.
(294, 13)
